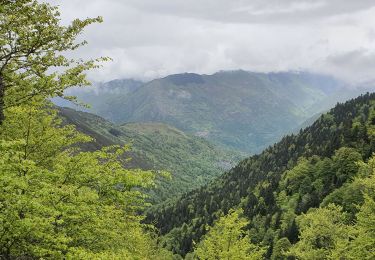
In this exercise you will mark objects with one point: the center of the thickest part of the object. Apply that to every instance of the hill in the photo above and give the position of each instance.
(100, 95)
(313, 168)
(237, 109)
(192, 161)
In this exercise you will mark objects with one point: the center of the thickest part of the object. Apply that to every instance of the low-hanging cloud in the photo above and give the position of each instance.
(355, 64)
(148, 39)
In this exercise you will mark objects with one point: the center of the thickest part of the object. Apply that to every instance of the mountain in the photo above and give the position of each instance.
(313, 168)
(99, 96)
(237, 109)
(192, 161)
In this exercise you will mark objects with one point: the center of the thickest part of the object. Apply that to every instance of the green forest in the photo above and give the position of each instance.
(184, 161)
(70, 190)
(307, 197)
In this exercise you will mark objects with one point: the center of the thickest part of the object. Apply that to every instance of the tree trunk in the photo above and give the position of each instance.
(2, 96)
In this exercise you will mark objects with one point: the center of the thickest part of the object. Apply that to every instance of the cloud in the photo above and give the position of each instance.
(261, 11)
(355, 66)
(148, 38)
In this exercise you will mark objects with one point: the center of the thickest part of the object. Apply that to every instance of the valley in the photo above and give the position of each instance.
(182, 130)
(239, 110)
(179, 124)
(191, 161)
(275, 188)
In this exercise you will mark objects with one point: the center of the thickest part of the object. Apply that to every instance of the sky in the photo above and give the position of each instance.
(153, 38)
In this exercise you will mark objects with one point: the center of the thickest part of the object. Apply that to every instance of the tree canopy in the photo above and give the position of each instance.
(56, 200)
(33, 47)
(227, 239)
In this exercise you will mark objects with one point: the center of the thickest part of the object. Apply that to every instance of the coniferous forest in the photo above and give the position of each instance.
(70, 190)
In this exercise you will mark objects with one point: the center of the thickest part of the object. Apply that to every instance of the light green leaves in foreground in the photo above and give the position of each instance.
(59, 202)
(33, 45)
(56, 201)
(227, 240)
(326, 232)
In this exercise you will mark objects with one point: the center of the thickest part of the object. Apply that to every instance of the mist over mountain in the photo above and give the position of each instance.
(100, 95)
(212, 129)
(238, 109)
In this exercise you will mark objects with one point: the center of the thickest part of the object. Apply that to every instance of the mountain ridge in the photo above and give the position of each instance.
(192, 161)
(237, 109)
(341, 135)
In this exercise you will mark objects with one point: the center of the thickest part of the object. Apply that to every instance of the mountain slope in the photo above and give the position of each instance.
(100, 96)
(301, 169)
(191, 160)
(237, 109)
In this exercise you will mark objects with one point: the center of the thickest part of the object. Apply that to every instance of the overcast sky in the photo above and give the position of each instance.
(152, 38)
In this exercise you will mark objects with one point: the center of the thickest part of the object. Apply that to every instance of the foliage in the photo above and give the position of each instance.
(281, 248)
(326, 233)
(191, 160)
(227, 240)
(303, 171)
(32, 45)
(361, 241)
(58, 201)
(243, 110)
(320, 230)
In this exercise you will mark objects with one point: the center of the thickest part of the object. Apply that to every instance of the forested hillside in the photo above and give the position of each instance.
(191, 161)
(318, 166)
(71, 187)
(238, 109)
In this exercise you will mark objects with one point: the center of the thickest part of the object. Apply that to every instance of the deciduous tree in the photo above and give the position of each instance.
(227, 240)
(33, 47)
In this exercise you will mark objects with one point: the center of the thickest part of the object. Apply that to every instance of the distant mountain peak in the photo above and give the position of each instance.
(238, 109)
(185, 79)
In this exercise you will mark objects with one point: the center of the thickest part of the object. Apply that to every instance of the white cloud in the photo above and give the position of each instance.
(149, 38)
